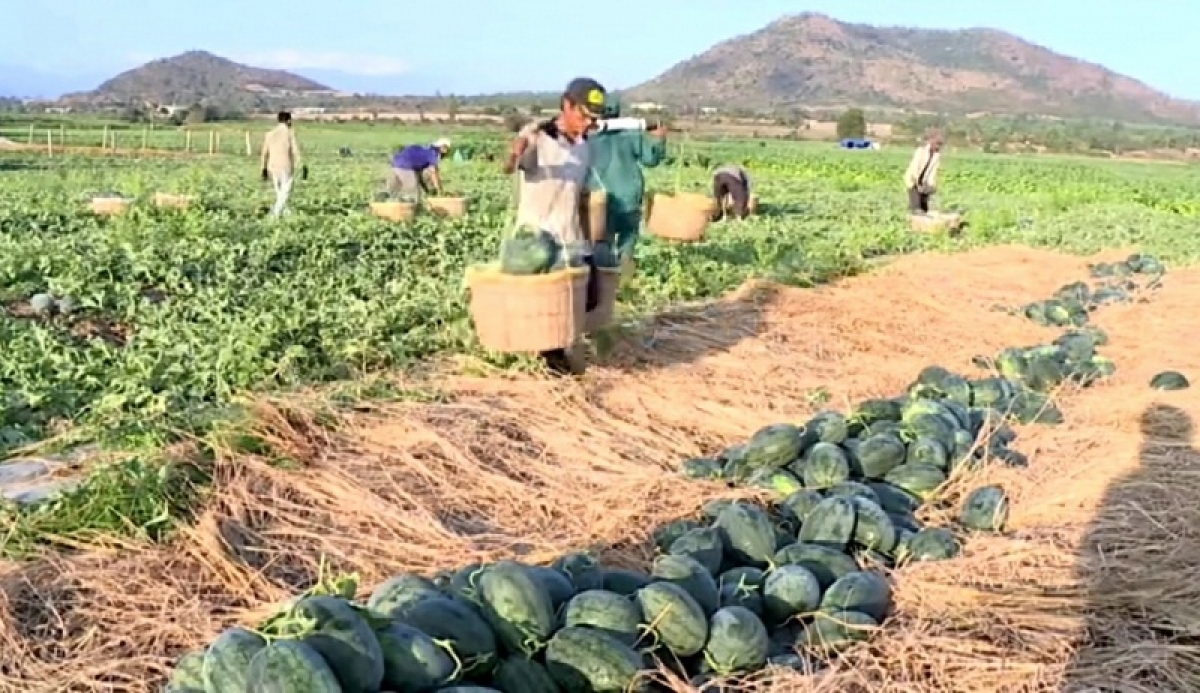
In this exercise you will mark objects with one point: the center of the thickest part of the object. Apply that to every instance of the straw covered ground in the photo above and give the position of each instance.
(1091, 590)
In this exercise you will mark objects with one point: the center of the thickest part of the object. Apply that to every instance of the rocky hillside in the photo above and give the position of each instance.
(812, 60)
(196, 76)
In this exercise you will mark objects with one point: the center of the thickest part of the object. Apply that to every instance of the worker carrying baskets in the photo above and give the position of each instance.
(536, 299)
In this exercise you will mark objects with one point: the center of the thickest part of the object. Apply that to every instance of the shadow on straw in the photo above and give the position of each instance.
(1138, 565)
(686, 334)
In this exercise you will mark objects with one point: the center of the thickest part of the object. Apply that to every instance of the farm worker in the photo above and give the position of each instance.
(620, 147)
(554, 159)
(921, 177)
(732, 183)
(280, 159)
(412, 164)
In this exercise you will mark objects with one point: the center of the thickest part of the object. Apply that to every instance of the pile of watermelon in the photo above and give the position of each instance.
(750, 586)
(788, 582)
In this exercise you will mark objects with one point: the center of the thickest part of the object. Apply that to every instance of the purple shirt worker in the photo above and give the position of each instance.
(413, 165)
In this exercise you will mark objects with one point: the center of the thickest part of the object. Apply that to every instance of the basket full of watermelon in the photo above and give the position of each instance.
(533, 299)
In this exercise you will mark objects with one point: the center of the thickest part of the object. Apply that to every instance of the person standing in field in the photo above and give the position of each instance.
(412, 165)
(280, 160)
(731, 189)
(553, 159)
(620, 148)
(921, 177)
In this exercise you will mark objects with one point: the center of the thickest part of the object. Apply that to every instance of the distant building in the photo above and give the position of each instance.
(708, 110)
(59, 110)
(647, 107)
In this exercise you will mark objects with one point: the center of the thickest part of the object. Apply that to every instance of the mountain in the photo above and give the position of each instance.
(812, 60)
(197, 76)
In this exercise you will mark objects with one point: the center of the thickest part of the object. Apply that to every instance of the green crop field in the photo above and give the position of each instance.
(182, 312)
(183, 317)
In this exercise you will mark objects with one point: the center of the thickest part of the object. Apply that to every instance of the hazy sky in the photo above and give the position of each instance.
(490, 45)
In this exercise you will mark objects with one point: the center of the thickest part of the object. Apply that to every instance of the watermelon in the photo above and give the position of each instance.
(666, 534)
(930, 544)
(412, 661)
(825, 465)
(290, 666)
(583, 570)
(521, 675)
(828, 427)
(461, 626)
(554, 583)
(748, 534)
(691, 576)
(582, 659)
(830, 524)
(862, 591)
(790, 590)
(825, 563)
(920, 480)
(674, 616)
(853, 489)
(1169, 380)
(396, 593)
(985, 510)
(894, 499)
(332, 627)
(779, 481)
(701, 468)
(227, 660)
(737, 642)
(529, 252)
(879, 454)
(743, 575)
(834, 632)
(706, 545)
(774, 446)
(928, 451)
(188, 674)
(624, 581)
(742, 590)
(798, 505)
(616, 615)
(869, 411)
(520, 612)
(873, 529)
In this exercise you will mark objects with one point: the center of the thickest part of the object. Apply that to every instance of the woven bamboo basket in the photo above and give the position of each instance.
(453, 207)
(170, 201)
(595, 225)
(394, 211)
(532, 313)
(608, 280)
(682, 217)
(751, 204)
(935, 222)
(108, 205)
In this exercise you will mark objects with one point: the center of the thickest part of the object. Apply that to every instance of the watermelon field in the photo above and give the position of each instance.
(819, 452)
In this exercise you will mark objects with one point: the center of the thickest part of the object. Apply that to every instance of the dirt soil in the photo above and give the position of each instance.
(1091, 589)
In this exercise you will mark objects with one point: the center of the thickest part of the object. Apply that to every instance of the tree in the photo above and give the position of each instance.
(852, 124)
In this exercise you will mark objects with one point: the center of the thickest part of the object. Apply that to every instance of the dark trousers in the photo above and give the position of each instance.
(556, 359)
(918, 202)
(733, 186)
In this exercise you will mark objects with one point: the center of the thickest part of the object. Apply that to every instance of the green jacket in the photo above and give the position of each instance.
(617, 160)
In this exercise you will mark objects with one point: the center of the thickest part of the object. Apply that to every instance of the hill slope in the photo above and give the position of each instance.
(193, 77)
(813, 60)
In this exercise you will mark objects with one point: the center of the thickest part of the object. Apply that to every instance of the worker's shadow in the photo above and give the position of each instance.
(686, 333)
(1139, 568)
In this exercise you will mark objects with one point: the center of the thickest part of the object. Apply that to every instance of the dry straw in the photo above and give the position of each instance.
(1092, 590)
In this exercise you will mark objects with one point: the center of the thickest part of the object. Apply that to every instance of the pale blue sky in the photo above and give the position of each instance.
(469, 46)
